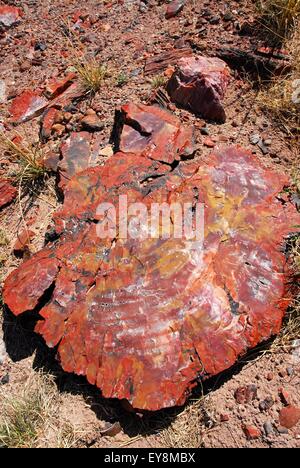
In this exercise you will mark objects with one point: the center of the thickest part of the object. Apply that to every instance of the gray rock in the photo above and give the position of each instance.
(3, 354)
(268, 428)
(2, 91)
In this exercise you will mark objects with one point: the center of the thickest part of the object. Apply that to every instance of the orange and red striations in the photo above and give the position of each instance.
(144, 320)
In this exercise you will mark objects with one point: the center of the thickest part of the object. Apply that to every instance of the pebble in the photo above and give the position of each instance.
(2, 91)
(3, 354)
(266, 404)
(209, 143)
(251, 432)
(289, 416)
(254, 139)
(268, 428)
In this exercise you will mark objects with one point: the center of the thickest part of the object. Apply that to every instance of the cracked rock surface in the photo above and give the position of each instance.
(145, 319)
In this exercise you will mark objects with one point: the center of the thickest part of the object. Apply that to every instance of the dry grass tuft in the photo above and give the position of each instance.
(290, 332)
(158, 81)
(30, 418)
(24, 415)
(279, 16)
(189, 427)
(27, 157)
(91, 73)
(282, 98)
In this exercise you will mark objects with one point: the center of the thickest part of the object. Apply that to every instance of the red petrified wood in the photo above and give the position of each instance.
(9, 15)
(144, 319)
(199, 84)
(28, 105)
(175, 7)
(7, 193)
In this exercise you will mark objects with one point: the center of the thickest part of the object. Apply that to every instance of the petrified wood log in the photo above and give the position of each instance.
(145, 319)
(159, 63)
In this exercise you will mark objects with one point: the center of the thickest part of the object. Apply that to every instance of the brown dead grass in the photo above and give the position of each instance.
(279, 16)
(190, 426)
(29, 416)
(282, 97)
(27, 157)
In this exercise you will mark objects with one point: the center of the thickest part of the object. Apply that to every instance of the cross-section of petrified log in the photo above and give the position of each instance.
(144, 319)
(199, 84)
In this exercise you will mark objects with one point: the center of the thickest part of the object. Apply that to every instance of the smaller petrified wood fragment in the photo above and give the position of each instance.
(199, 84)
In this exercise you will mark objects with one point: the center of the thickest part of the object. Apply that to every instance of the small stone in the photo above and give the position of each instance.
(209, 142)
(23, 241)
(268, 428)
(4, 380)
(7, 193)
(224, 417)
(270, 376)
(175, 7)
(228, 16)
(91, 123)
(51, 161)
(254, 139)
(59, 129)
(290, 371)
(59, 117)
(246, 394)
(264, 149)
(289, 416)
(90, 112)
(107, 151)
(3, 354)
(25, 66)
(215, 20)
(282, 430)
(204, 131)
(9, 16)
(251, 432)
(284, 396)
(268, 142)
(67, 116)
(2, 91)
(282, 373)
(266, 404)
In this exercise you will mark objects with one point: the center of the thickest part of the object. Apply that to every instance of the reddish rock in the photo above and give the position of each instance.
(209, 142)
(74, 92)
(27, 106)
(51, 161)
(175, 7)
(224, 417)
(200, 84)
(58, 129)
(245, 394)
(143, 319)
(251, 432)
(76, 156)
(7, 193)
(56, 87)
(9, 15)
(23, 241)
(285, 396)
(152, 131)
(47, 122)
(91, 123)
(289, 416)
